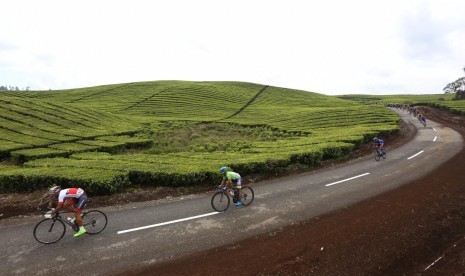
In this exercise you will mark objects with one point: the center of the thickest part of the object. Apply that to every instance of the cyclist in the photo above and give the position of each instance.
(74, 199)
(233, 179)
(378, 144)
(422, 119)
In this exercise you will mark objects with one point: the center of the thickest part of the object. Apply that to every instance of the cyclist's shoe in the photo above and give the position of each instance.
(81, 231)
(238, 203)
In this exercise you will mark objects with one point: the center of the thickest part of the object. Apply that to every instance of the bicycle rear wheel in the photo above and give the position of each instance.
(94, 221)
(247, 195)
(49, 231)
(384, 154)
(220, 201)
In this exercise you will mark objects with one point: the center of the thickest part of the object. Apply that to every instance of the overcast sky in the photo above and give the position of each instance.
(329, 47)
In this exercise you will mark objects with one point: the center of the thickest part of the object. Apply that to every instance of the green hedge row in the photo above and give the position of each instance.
(94, 182)
(22, 156)
(113, 145)
(107, 181)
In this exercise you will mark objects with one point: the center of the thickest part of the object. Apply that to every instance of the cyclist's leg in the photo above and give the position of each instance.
(81, 203)
(78, 207)
(68, 204)
(238, 185)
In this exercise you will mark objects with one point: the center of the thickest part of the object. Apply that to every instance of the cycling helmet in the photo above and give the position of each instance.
(375, 139)
(54, 190)
(223, 169)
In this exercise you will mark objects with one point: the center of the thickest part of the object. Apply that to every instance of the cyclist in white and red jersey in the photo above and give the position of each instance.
(74, 199)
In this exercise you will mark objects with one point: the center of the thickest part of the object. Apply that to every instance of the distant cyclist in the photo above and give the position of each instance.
(378, 144)
(422, 119)
(74, 199)
(232, 179)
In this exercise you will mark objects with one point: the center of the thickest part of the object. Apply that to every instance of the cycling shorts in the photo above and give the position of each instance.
(237, 183)
(78, 203)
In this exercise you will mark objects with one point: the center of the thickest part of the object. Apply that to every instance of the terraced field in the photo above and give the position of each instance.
(105, 137)
(441, 101)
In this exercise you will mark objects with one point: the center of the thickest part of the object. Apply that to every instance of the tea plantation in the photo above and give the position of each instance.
(173, 133)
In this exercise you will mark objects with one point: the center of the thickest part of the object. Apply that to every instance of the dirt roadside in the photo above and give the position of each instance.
(417, 229)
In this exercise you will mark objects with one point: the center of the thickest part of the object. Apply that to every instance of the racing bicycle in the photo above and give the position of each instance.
(380, 153)
(221, 199)
(51, 230)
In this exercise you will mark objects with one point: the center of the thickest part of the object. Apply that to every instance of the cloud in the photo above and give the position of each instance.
(424, 37)
(332, 47)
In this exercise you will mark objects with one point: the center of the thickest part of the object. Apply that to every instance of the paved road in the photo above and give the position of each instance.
(146, 233)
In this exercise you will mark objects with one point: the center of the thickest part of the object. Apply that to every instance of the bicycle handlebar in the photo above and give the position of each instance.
(221, 187)
(49, 210)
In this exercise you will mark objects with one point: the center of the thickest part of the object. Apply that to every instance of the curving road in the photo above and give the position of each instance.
(149, 232)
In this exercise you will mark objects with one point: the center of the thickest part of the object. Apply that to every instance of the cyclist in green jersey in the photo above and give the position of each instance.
(232, 179)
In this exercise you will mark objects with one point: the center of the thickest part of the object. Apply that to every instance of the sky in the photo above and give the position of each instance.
(331, 47)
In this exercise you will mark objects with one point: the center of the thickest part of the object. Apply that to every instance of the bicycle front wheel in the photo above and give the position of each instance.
(94, 221)
(49, 231)
(220, 201)
(247, 196)
(377, 155)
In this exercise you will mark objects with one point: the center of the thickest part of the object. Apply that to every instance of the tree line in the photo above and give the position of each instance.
(457, 87)
(13, 88)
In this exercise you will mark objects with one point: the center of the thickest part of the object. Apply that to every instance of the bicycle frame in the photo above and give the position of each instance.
(230, 191)
(380, 153)
(73, 224)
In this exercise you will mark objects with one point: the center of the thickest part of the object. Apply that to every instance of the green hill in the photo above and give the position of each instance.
(110, 137)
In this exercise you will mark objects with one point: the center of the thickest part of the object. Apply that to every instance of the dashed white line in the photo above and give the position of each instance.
(344, 180)
(433, 263)
(435, 138)
(415, 155)
(165, 223)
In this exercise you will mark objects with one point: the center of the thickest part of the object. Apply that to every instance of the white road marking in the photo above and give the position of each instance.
(435, 138)
(344, 180)
(435, 129)
(165, 223)
(415, 155)
(433, 263)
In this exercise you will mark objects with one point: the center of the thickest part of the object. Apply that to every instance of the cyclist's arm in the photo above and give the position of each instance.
(226, 182)
(61, 199)
(58, 208)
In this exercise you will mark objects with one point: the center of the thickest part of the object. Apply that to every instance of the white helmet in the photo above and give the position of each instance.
(54, 190)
